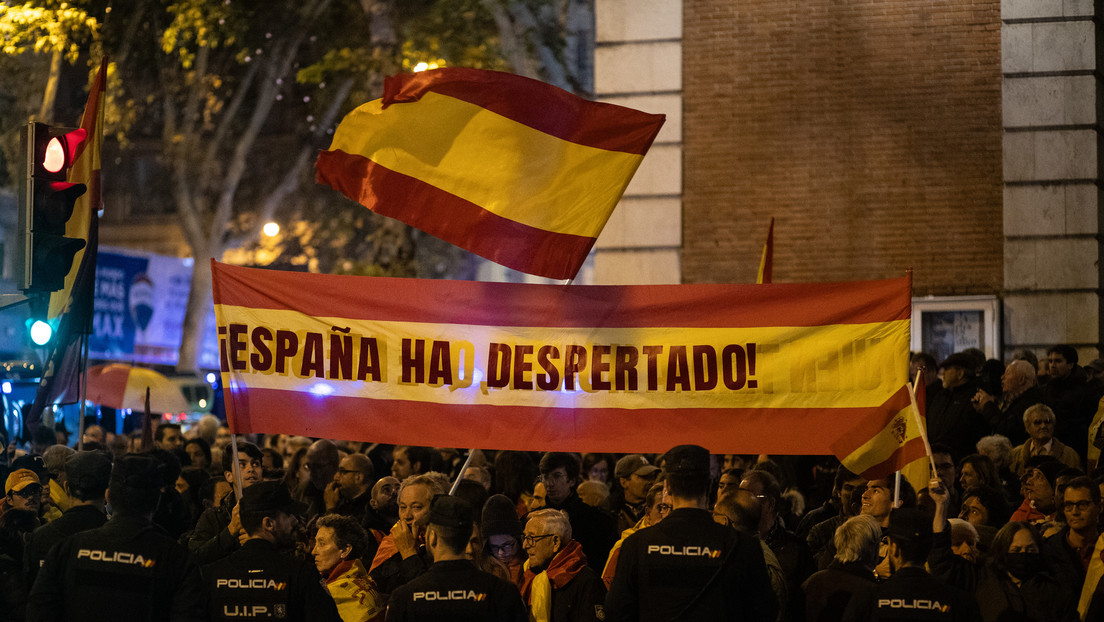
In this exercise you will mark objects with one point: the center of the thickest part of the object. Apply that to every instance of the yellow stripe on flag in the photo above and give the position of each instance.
(900, 429)
(832, 366)
(503, 166)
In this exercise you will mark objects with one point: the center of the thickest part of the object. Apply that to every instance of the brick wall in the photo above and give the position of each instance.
(871, 131)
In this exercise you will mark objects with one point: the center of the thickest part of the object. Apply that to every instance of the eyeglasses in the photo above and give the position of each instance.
(1082, 506)
(751, 492)
(531, 540)
(502, 548)
(663, 508)
(28, 492)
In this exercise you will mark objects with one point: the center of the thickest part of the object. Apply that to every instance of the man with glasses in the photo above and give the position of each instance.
(688, 567)
(351, 489)
(218, 531)
(593, 528)
(1070, 550)
(19, 514)
(558, 583)
(1039, 421)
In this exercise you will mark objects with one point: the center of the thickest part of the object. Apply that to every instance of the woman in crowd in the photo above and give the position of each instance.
(338, 547)
(199, 453)
(598, 467)
(297, 475)
(978, 470)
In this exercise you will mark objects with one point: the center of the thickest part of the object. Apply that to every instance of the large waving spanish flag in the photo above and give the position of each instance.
(513, 169)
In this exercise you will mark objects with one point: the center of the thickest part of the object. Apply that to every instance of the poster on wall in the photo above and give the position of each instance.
(139, 308)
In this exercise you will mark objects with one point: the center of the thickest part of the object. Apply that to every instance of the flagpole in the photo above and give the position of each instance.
(920, 420)
(460, 476)
(236, 466)
(82, 379)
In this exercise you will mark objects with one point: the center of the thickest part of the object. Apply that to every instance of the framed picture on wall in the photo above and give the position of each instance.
(943, 325)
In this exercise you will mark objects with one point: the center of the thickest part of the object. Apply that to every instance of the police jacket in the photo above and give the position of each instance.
(456, 590)
(75, 520)
(126, 570)
(690, 568)
(258, 581)
(912, 594)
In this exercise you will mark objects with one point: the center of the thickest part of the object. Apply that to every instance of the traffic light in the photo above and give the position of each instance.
(46, 205)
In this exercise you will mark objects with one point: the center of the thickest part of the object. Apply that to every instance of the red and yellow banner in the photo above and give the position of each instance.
(785, 368)
(510, 168)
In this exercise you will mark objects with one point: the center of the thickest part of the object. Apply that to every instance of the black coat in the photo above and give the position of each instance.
(75, 520)
(912, 594)
(259, 581)
(688, 567)
(126, 570)
(594, 529)
(828, 591)
(456, 591)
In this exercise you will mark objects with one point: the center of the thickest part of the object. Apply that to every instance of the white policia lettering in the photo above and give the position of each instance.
(119, 557)
(450, 595)
(916, 603)
(689, 551)
(249, 584)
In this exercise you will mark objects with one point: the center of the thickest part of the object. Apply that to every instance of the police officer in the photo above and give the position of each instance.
(911, 593)
(87, 475)
(453, 588)
(688, 567)
(127, 569)
(258, 581)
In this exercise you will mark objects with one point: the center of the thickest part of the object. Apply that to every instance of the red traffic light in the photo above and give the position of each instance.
(55, 149)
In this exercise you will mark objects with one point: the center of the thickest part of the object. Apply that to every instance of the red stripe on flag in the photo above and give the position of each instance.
(872, 425)
(541, 106)
(449, 217)
(511, 304)
(275, 411)
(910, 451)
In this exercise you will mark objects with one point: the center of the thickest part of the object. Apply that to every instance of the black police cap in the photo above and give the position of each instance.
(449, 511)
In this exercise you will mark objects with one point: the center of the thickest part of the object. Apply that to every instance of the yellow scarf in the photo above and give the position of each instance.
(540, 597)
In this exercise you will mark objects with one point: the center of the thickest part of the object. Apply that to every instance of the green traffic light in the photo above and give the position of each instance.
(41, 332)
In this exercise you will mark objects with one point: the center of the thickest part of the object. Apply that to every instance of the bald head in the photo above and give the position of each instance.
(322, 460)
(1018, 377)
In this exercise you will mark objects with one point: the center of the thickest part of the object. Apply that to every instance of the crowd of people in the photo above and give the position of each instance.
(197, 524)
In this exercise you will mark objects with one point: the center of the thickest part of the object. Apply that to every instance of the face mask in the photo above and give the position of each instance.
(1024, 565)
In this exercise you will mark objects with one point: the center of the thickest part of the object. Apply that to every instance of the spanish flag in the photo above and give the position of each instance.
(885, 441)
(515, 170)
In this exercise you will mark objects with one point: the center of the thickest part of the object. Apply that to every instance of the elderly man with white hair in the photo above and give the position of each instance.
(558, 584)
(1040, 421)
(828, 591)
(1019, 391)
